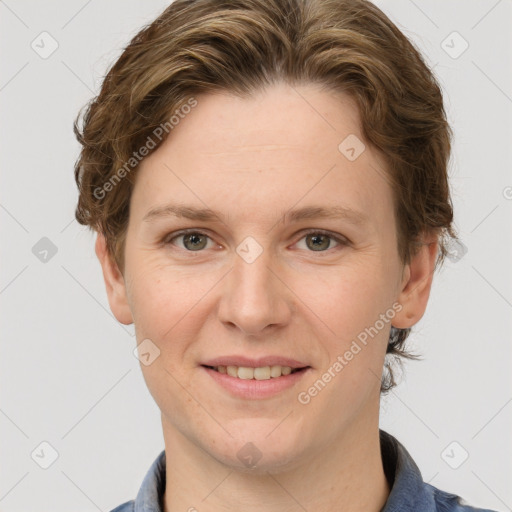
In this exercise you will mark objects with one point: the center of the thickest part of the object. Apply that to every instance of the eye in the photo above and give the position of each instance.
(320, 240)
(317, 240)
(192, 240)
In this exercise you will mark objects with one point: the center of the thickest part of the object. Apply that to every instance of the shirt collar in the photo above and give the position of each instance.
(151, 492)
(408, 491)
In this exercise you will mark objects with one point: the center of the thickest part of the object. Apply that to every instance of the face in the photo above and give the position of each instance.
(256, 281)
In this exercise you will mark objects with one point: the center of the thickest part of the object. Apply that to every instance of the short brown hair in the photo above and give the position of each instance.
(241, 46)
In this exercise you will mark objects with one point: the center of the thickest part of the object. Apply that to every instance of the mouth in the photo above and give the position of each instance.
(255, 383)
(260, 373)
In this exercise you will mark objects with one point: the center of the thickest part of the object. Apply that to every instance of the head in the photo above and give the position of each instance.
(253, 109)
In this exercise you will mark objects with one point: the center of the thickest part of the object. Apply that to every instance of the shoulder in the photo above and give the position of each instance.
(408, 490)
(151, 491)
(129, 506)
(448, 502)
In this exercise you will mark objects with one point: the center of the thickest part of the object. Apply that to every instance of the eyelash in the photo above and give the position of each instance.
(339, 240)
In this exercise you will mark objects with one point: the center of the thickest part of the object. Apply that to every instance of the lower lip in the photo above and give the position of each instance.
(253, 389)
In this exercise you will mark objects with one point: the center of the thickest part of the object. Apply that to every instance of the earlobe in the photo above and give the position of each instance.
(114, 283)
(416, 284)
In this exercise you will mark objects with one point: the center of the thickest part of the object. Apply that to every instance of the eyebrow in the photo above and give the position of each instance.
(308, 212)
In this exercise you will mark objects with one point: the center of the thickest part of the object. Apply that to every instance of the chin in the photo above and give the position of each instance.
(257, 452)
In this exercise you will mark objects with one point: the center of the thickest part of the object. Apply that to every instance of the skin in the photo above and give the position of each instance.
(253, 159)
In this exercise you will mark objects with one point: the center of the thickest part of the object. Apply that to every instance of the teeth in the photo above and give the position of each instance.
(261, 373)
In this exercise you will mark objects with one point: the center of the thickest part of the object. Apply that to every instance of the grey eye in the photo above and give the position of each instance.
(319, 241)
(194, 241)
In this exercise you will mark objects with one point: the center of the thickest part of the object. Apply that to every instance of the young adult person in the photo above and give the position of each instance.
(268, 181)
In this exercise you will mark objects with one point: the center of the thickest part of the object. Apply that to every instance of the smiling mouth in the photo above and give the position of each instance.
(261, 373)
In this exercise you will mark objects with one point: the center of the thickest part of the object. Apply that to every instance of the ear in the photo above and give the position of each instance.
(416, 284)
(114, 283)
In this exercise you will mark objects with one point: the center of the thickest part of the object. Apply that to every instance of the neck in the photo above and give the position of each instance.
(346, 474)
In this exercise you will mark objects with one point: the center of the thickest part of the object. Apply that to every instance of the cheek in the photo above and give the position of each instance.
(345, 299)
(166, 307)
(168, 304)
(353, 311)
(159, 302)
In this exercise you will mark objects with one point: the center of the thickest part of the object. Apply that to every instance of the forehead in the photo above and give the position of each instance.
(280, 117)
(281, 146)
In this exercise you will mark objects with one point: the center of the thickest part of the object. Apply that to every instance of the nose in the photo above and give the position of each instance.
(255, 297)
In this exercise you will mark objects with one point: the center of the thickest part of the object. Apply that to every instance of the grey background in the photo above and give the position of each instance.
(68, 374)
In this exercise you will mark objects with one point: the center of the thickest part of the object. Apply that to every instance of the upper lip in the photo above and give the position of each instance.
(254, 363)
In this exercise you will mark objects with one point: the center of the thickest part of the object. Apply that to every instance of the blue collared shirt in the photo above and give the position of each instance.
(408, 490)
